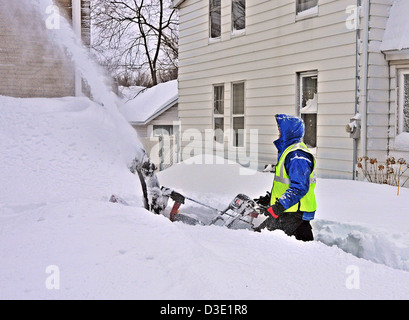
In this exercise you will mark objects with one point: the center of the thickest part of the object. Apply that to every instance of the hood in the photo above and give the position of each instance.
(292, 131)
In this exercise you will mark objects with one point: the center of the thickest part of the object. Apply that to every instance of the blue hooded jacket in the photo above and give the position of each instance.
(299, 164)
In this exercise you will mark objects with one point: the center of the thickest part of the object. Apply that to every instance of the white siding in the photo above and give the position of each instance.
(166, 118)
(378, 142)
(274, 48)
(150, 143)
(395, 150)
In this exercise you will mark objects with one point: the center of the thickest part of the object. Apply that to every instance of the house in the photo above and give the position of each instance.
(342, 65)
(30, 63)
(153, 112)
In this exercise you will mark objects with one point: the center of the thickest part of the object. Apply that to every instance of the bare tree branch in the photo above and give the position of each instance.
(136, 36)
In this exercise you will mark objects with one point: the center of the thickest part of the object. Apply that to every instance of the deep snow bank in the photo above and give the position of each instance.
(61, 150)
(108, 251)
(365, 219)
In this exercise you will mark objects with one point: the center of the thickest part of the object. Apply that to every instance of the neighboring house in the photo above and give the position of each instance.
(153, 112)
(335, 63)
(30, 63)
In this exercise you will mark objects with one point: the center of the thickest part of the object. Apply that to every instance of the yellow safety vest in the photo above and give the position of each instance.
(282, 182)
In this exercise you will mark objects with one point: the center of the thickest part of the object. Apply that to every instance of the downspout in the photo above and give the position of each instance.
(364, 106)
(389, 107)
(76, 26)
(357, 39)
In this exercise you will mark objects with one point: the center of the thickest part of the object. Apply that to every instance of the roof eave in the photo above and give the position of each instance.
(166, 107)
(397, 54)
(177, 3)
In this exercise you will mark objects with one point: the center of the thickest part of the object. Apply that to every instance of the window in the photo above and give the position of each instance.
(306, 7)
(403, 106)
(238, 14)
(308, 105)
(162, 130)
(238, 114)
(218, 113)
(215, 18)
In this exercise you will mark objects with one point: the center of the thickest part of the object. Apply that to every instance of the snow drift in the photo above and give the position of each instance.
(63, 149)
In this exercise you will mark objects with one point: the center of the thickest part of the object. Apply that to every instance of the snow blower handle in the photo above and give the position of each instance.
(177, 197)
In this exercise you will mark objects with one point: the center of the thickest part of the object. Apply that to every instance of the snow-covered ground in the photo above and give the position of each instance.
(60, 238)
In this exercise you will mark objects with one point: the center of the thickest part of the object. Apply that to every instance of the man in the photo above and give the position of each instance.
(292, 204)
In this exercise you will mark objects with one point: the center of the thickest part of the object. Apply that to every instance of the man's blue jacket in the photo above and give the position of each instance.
(299, 164)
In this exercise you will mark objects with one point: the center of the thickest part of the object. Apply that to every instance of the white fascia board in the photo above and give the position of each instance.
(177, 3)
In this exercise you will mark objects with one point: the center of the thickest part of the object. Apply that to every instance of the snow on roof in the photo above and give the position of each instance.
(150, 103)
(130, 92)
(396, 36)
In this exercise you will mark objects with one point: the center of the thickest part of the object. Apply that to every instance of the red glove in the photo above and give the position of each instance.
(276, 210)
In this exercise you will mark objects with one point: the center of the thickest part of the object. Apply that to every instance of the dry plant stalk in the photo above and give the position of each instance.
(389, 173)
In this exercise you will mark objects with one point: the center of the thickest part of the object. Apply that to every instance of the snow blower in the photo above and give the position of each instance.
(241, 209)
(239, 214)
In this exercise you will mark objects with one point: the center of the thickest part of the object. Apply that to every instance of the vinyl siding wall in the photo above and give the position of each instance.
(66, 5)
(379, 120)
(151, 143)
(169, 117)
(382, 101)
(30, 64)
(274, 48)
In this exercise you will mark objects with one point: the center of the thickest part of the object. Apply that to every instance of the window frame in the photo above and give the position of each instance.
(300, 15)
(218, 115)
(300, 95)
(237, 31)
(400, 103)
(238, 115)
(163, 127)
(210, 21)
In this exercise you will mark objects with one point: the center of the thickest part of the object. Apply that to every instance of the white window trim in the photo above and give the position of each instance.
(232, 116)
(162, 125)
(219, 116)
(306, 14)
(401, 92)
(301, 75)
(300, 88)
(237, 33)
(216, 39)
